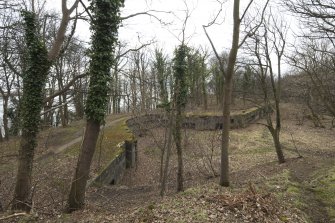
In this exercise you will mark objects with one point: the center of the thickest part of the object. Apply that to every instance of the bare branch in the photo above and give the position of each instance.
(148, 13)
(133, 50)
(215, 51)
(65, 88)
(256, 27)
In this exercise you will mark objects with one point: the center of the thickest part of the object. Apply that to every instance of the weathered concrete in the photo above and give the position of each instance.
(127, 158)
(113, 172)
(198, 121)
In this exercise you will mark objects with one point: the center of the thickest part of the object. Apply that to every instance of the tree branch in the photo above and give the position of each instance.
(65, 88)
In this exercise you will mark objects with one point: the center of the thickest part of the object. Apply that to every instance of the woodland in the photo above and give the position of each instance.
(67, 103)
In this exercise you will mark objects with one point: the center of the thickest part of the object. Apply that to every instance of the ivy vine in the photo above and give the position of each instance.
(180, 74)
(106, 21)
(34, 76)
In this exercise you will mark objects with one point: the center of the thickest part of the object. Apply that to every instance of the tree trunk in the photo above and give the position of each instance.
(227, 97)
(79, 102)
(224, 176)
(77, 194)
(65, 114)
(204, 92)
(5, 118)
(1, 138)
(167, 156)
(180, 97)
(1, 209)
(180, 180)
(32, 102)
(276, 139)
(105, 27)
(22, 198)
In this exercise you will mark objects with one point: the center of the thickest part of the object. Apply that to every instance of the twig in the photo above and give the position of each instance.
(295, 146)
(9, 155)
(13, 216)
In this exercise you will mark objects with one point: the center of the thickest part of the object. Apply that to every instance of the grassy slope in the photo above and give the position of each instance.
(251, 147)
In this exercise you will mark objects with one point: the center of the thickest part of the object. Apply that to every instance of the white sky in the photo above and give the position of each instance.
(202, 11)
(144, 28)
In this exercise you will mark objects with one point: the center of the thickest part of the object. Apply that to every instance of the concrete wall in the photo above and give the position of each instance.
(113, 172)
(198, 122)
(127, 158)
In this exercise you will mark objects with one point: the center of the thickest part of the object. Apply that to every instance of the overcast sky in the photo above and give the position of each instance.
(145, 27)
(141, 29)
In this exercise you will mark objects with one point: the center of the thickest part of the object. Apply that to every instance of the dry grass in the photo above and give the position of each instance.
(252, 159)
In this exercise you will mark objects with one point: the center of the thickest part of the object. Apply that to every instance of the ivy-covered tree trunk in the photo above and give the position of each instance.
(31, 103)
(104, 38)
(36, 67)
(180, 71)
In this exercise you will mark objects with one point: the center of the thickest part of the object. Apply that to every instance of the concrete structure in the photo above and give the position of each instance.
(205, 121)
(113, 172)
(127, 157)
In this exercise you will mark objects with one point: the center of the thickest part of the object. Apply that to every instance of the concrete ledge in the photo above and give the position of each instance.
(205, 121)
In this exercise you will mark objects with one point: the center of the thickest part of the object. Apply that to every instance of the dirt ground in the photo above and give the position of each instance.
(309, 151)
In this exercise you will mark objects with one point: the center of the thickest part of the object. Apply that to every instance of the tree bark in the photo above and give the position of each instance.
(278, 147)
(228, 85)
(77, 194)
(5, 118)
(180, 180)
(224, 177)
(167, 156)
(22, 198)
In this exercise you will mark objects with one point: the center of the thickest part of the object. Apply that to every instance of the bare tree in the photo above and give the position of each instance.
(314, 55)
(271, 35)
(316, 16)
(228, 80)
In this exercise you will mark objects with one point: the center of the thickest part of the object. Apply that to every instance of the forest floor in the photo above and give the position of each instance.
(300, 190)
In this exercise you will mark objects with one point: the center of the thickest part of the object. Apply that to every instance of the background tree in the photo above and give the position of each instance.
(180, 97)
(271, 35)
(11, 46)
(197, 75)
(161, 68)
(313, 56)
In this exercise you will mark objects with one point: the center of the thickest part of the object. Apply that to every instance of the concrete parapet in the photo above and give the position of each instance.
(204, 121)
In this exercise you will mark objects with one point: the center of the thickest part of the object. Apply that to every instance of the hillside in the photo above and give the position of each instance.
(301, 190)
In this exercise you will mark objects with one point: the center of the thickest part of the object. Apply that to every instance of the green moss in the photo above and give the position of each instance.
(73, 150)
(190, 192)
(246, 111)
(256, 150)
(219, 113)
(324, 187)
(293, 189)
(282, 186)
(153, 151)
(110, 138)
(110, 143)
(203, 114)
(331, 213)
